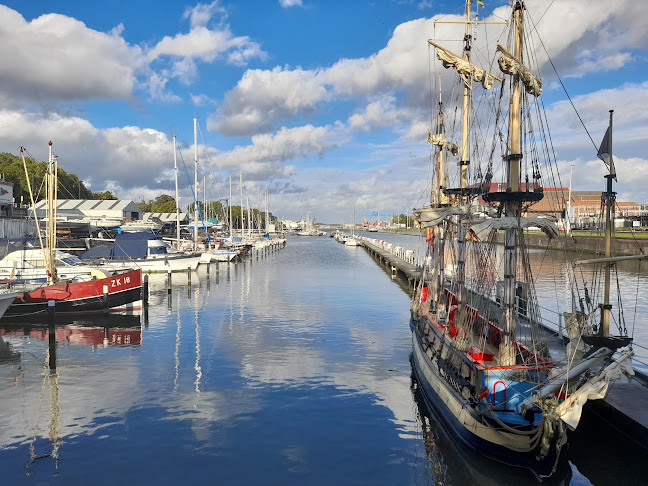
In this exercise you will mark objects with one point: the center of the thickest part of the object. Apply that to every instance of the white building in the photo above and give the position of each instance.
(91, 210)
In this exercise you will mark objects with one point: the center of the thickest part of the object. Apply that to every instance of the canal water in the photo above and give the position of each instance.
(292, 368)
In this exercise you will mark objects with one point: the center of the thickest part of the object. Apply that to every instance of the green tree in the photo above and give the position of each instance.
(105, 195)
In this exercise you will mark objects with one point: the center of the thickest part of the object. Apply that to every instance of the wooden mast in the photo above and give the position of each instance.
(512, 207)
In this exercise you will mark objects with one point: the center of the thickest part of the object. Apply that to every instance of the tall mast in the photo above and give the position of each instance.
(512, 208)
(267, 215)
(196, 183)
(609, 199)
(229, 204)
(177, 197)
(241, 188)
(51, 217)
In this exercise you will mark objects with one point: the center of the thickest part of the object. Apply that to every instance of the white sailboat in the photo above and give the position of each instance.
(352, 241)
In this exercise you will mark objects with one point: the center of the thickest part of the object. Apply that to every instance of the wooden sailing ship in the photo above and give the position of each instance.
(481, 354)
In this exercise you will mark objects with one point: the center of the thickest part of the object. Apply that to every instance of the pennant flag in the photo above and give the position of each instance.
(479, 2)
(604, 152)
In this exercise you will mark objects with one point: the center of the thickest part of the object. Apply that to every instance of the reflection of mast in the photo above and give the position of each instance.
(197, 364)
(177, 350)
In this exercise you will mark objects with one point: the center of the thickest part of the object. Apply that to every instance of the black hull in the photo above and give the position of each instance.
(423, 367)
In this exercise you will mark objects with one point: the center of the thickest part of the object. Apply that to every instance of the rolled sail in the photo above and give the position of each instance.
(434, 139)
(481, 231)
(465, 68)
(508, 65)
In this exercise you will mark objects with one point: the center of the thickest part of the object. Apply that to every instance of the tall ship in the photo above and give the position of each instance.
(503, 384)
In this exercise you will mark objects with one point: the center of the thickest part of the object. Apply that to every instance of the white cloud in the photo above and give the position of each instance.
(380, 113)
(290, 3)
(267, 154)
(58, 57)
(580, 37)
(202, 13)
(263, 97)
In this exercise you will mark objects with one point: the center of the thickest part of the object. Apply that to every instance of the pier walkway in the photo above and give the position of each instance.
(625, 407)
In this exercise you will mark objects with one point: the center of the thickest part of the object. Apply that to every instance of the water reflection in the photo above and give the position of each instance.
(296, 363)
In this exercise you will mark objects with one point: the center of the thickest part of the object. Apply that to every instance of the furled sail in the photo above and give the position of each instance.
(465, 68)
(429, 217)
(480, 232)
(596, 388)
(509, 65)
(435, 139)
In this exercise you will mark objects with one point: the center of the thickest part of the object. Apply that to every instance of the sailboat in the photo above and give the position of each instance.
(352, 240)
(480, 352)
(116, 291)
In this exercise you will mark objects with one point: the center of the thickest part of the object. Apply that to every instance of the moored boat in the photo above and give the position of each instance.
(120, 291)
(504, 386)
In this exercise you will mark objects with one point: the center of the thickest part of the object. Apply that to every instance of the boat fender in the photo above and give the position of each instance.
(97, 274)
(429, 236)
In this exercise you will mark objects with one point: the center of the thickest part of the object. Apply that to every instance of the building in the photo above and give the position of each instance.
(91, 210)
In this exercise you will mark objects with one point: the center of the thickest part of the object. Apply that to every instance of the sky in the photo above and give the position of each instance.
(324, 104)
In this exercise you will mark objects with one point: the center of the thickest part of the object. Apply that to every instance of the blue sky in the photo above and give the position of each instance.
(322, 103)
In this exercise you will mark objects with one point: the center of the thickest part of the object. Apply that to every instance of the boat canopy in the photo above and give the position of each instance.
(125, 247)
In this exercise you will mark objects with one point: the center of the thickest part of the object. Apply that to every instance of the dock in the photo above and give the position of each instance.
(625, 406)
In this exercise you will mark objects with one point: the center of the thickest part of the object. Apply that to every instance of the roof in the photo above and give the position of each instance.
(84, 205)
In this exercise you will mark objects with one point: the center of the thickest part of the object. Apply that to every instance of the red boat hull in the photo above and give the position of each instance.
(124, 293)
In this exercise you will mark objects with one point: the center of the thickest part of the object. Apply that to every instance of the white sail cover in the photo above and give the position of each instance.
(481, 231)
(434, 139)
(429, 217)
(465, 68)
(509, 65)
(570, 410)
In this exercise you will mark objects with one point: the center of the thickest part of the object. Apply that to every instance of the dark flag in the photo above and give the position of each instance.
(604, 152)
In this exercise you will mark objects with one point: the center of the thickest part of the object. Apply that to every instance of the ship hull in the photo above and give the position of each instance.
(124, 295)
(465, 422)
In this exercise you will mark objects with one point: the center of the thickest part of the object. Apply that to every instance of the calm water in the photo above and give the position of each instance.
(290, 369)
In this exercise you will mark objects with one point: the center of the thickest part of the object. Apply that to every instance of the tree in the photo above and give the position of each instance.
(105, 195)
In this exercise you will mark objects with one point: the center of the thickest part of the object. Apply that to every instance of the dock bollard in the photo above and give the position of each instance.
(105, 299)
(51, 311)
(145, 290)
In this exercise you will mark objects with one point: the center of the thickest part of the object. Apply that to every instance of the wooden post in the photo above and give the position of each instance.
(169, 282)
(145, 290)
(189, 276)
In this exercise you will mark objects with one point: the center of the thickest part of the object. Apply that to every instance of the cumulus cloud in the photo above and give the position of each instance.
(263, 97)
(380, 113)
(267, 153)
(581, 38)
(58, 57)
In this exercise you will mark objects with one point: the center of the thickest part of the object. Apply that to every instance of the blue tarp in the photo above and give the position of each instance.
(125, 247)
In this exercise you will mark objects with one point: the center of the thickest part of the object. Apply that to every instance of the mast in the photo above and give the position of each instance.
(51, 217)
(609, 198)
(229, 204)
(196, 183)
(175, 167)
(512, 207)
(241, 188)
